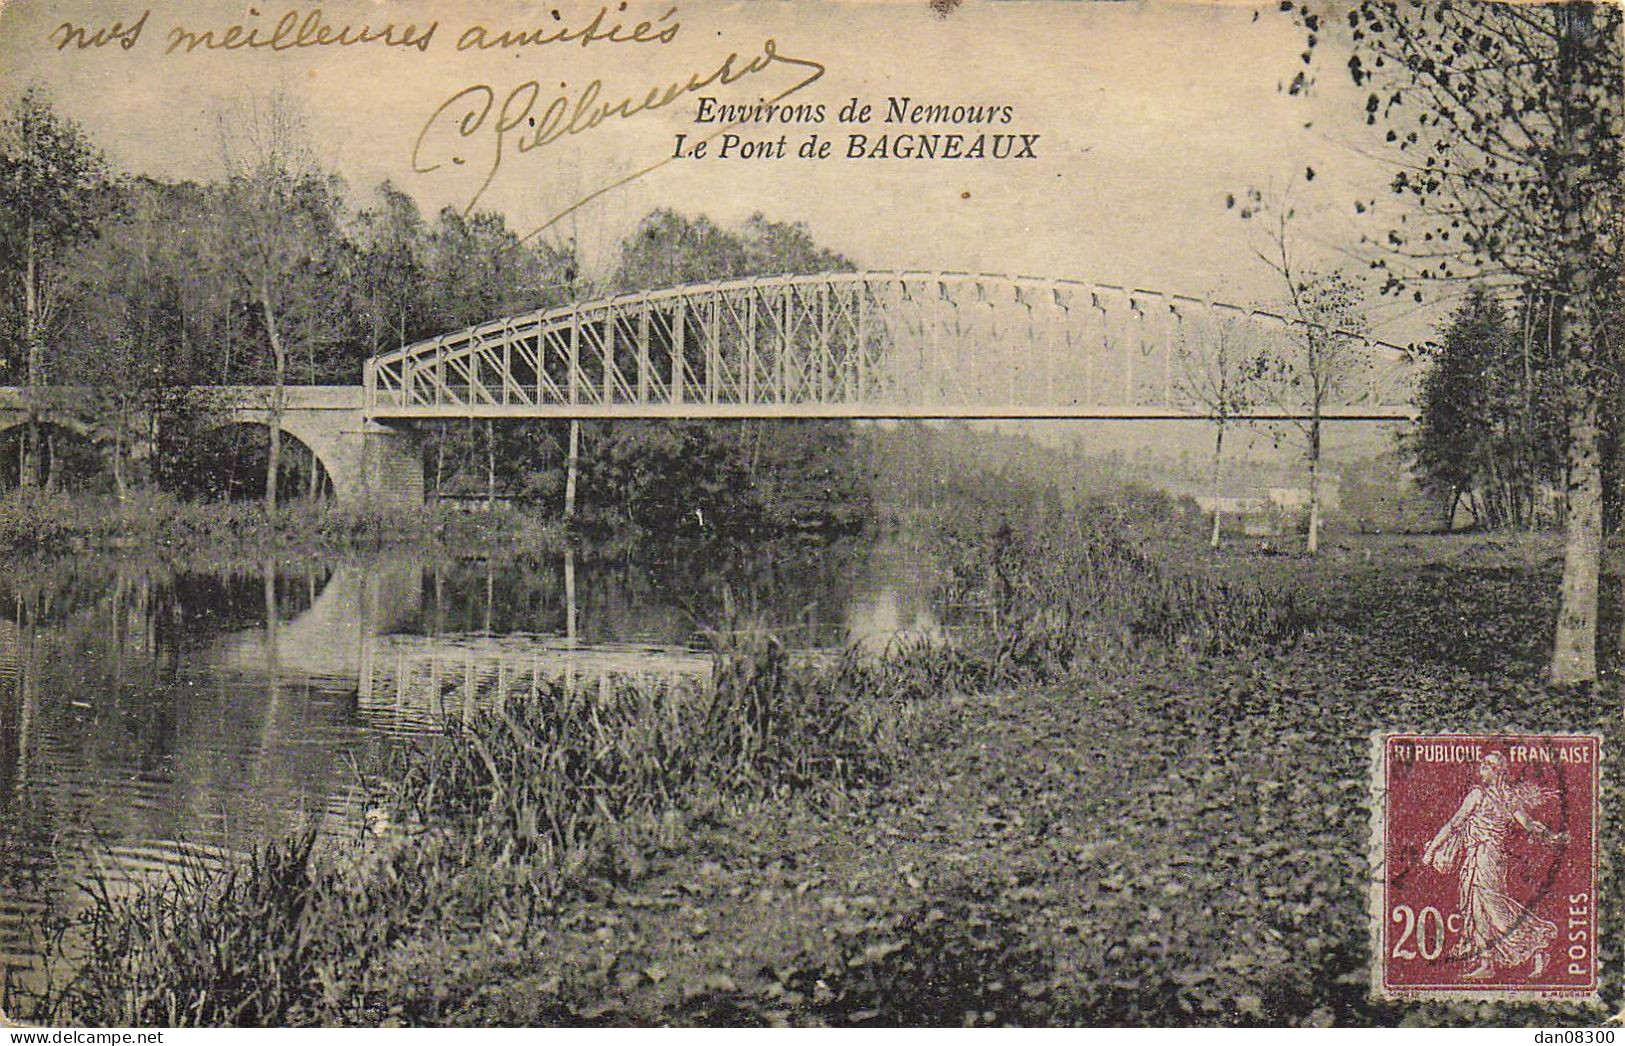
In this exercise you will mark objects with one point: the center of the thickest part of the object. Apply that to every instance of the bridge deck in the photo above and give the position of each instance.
(869, 412)
(892, 345)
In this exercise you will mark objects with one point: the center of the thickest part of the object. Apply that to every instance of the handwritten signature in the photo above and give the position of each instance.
(524, 123)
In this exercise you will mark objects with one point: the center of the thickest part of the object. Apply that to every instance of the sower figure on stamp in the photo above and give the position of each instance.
(1498, 931)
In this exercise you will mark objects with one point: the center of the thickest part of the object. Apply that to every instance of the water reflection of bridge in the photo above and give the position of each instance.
(363, 629)
(410, 683)
(187, 713)
(328, 640)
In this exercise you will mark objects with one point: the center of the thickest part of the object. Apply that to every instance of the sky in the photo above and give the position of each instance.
(1149, 116)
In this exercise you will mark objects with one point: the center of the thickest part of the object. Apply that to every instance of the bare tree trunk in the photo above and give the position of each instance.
(273, 454)
(1218, 451)
(570, 594)
(1527, 443)
(49, 462)
(1574, 646)
(1574, 650)
(273, 463)
(225, 361)
(570, 469)
(118, 456)
(310, 371)
(150, 470)
(1312, 546)
(490, 464)
(31, 454)
(439, 459)
(29, 475)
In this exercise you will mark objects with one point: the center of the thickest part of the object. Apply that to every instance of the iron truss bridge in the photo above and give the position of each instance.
(891, 345)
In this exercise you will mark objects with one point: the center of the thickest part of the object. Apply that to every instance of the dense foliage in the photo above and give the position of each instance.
(280, 274)
(38, 526)
(677, 478)
(1491, 429)
(1506, 128)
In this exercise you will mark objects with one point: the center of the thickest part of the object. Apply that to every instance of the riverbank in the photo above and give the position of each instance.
(36, 524)
(1167, 841)
(1140, 799)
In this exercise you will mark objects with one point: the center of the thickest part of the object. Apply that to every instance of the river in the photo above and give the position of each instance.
(147, 711)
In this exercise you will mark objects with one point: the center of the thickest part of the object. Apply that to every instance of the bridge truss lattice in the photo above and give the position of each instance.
(886, 345)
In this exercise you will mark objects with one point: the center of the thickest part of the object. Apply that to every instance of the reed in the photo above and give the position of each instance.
(494, 820)
(497, 819)
(535, 781)
(43, 524)
(208, 943)
(1081, 586)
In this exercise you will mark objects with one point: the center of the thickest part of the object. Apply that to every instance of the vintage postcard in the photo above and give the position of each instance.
(1485, 854)
(843, 513)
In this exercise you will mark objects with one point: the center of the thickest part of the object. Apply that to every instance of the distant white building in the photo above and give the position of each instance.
(1232, 506)
(1257, 516)
(1289, 499)
(1296, 499)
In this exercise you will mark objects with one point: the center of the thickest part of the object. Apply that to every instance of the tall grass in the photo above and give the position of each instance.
(533, 783)
(494, 820)
(190, 949)
(1073, 589)
(1068, 588)
(36, 522)
(498, 818)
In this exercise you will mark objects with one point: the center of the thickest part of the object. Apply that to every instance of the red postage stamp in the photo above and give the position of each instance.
(1484, 848)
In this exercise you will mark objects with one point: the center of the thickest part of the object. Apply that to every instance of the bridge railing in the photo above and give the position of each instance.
(883, 344)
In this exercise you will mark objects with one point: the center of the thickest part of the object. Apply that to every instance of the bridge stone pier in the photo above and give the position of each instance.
(367, 461)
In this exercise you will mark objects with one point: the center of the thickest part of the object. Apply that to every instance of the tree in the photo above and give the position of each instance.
(1327, 356)
(1506, 124)
(1490, 428)
(478, 270)
(393, 268)
(273, 218)
(668, 249)
(54, 187)
(121, 321)
(792, 469)
(185, 310)
(1216, 369)
(1322, 352)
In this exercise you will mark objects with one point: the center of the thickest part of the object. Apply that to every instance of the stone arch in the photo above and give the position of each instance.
(61, 419)
(86, 444)
(327, 447)
(364, 461)
(230, 421)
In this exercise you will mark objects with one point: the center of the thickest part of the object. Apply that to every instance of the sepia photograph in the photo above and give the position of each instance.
(844, 513)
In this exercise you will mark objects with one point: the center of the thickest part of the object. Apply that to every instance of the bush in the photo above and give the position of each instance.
(34, 522)
(501, 818)
(498, 817)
